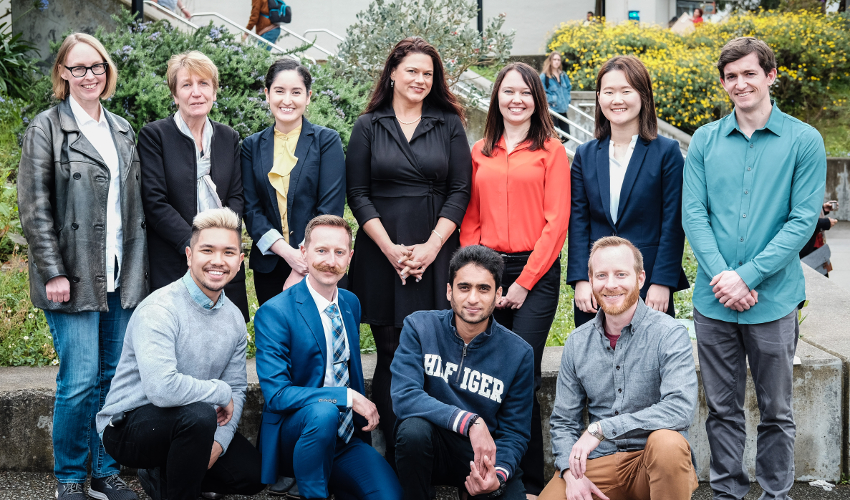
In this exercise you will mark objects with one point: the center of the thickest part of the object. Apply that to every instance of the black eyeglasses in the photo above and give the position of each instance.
(80, 71)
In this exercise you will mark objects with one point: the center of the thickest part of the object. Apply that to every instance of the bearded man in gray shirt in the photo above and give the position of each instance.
(178, 391)
(633, 368)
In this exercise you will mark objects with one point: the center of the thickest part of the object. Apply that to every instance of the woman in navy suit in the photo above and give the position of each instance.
(627, 182)
(291, 172)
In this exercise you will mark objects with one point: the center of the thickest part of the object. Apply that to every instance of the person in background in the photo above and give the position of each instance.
(291, 172)
(697, 19)
(632, 370)
(824, 224)
(80, 203)
(627, 182)
(408, 170)
(520, 174)
(259, 21)
(590, 19)
(746, 223)
(557, 85)
(174, 6)
(180, 387)
(182, 150)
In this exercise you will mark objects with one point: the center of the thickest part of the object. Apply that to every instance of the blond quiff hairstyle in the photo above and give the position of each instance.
(215, 218)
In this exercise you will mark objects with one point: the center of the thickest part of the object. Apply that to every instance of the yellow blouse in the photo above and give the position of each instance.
(284, 162)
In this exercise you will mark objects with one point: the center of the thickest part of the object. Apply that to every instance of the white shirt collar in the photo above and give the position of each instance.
(82, 117)
(321, 302)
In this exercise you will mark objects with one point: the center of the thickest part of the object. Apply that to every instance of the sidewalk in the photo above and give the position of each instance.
(838, 239)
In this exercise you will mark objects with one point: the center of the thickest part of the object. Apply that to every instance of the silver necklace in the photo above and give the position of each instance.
(408, 123)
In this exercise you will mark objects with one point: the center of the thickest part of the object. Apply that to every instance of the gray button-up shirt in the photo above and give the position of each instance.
(648, 382)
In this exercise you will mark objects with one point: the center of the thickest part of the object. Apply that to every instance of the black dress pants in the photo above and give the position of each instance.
(179, 441)
(532, 322)
(582, 317)
(386, 342)
(427, 455)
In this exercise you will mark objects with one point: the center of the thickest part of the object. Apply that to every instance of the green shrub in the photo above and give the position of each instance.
(24, 335)
(17, 64)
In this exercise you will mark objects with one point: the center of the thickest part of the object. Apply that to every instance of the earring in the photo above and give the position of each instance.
(392, 83)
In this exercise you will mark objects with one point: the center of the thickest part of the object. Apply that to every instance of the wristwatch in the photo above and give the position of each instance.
(595, 430)
(501, 488)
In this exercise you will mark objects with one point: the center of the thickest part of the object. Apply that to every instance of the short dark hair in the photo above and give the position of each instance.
(638, 77)
(742, 47)
(480, 256)
(289, 65)
(326, 220)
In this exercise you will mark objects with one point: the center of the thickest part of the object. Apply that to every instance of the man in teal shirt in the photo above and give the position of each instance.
(753, 187)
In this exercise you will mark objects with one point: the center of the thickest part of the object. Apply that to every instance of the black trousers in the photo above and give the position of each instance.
(386, 342)
(561, 124)
(267, 285)
(532, 322)
(582, 317)
(428, 455)
(179, 441)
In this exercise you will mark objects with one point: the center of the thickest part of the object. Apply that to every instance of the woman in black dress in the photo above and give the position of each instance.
(408, 172)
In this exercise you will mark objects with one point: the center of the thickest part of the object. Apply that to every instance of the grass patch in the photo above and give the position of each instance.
(833, 128)
(488, 72)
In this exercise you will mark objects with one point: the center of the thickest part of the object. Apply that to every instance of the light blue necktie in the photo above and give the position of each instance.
(340, 369)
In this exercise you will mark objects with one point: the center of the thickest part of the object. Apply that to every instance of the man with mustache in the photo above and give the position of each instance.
(633, 369)
(178, 391)
(316, 420)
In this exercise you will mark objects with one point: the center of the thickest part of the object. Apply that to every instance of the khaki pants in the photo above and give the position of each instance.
(662, 471)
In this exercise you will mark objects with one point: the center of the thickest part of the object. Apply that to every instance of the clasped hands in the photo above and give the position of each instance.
(482, 471)
(412, 261)
(733, 292)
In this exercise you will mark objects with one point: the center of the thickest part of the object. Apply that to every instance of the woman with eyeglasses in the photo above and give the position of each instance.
(80, 202)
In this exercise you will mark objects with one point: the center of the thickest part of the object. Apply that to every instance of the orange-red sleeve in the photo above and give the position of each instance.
(556, 211)
(470, 228)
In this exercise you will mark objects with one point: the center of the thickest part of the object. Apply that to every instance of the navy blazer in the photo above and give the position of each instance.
(316, 186)
(649, 214)
(291, 360)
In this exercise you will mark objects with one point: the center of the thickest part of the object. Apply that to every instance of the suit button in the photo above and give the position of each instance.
(292, 232)
(146, 275)
(77, 176)
(137, 176)
(615, 233)
(616, 412)
(619, 390)
(75, 226)
(143, 224)
(75, 279)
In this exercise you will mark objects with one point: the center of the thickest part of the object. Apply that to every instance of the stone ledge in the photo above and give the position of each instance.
(26, 408)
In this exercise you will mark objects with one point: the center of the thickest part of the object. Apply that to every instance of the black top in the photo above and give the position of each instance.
(409, 186)
(316, 186)
(170, 196)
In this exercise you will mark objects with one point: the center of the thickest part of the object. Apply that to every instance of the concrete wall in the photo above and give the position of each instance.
(838, 185)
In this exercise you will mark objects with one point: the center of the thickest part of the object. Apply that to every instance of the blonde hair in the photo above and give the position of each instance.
(215, 218)
(61, 87)
(547, 64)
(615, 241)
(196, 63)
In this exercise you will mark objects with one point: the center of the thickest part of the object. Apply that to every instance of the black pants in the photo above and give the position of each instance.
(267, 285)
(582, 317)
(386, 342)
(428, 455)
(561, 124)
(179, 441)
(532, 322)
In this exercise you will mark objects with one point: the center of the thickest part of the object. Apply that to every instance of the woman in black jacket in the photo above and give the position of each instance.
(291, 172)
(189, 164)
(409, 173)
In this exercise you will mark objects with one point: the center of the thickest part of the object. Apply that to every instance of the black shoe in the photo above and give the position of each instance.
(294, 494)
(282, 486)
(70, 491)
(111, 488)
(152, 483)
(211, 495)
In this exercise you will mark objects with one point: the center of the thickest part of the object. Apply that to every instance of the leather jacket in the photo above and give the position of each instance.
(62, 189)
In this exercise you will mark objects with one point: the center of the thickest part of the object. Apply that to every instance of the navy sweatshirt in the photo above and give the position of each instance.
(438, 378)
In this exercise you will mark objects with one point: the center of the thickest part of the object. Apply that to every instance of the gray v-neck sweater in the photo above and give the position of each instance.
(176, 353)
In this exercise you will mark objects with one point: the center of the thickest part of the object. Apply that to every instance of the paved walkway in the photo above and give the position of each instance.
(838, 239)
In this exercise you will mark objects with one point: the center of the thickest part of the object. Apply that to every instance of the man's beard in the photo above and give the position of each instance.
(213, 287)
(327, 268)
(459, 312)
(630, 300)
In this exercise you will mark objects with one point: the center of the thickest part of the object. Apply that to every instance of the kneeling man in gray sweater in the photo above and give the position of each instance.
(178, 391)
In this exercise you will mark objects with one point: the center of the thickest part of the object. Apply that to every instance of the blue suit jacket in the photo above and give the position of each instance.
(291, 360)
(316, 186)
(649, 214)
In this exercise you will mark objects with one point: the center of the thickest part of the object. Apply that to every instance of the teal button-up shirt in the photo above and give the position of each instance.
(200, 297)
(749, 205)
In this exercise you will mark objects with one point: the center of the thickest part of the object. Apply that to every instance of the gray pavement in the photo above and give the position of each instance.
(838, 239)
(41, 485)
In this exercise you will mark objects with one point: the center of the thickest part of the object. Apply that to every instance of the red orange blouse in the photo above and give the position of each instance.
(520, 202)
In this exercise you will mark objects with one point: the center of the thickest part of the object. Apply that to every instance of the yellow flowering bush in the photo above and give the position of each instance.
(811, 54)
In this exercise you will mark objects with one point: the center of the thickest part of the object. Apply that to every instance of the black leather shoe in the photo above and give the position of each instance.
(151, 482)
(294, 494)
(282, 486)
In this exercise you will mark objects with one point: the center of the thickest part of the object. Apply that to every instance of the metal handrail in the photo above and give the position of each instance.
(251, 34)
(171, 14)
(570, 122)
(313, 43)
(322, 30)
(582, 113)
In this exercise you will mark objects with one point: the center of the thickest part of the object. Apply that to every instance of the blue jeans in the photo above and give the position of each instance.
(271, 36)
(89, 346)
